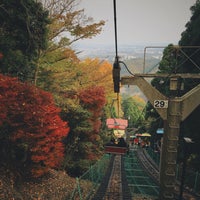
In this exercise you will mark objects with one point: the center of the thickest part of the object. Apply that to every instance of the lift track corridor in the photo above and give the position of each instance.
(140, 183)
(133, 176)
(128, 179)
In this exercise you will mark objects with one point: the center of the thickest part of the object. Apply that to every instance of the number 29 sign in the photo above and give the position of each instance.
(160, 104)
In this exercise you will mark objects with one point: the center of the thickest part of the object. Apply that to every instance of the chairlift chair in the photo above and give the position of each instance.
(119, 125)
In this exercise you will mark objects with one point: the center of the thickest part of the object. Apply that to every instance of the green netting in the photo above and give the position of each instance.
(155, 156)
(87, 184)
(192, 179)
(138, 180)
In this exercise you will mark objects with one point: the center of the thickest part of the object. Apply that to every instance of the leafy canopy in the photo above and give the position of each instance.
(23, 33)
(31, 131)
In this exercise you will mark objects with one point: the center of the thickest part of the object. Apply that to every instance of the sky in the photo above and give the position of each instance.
(139, 21)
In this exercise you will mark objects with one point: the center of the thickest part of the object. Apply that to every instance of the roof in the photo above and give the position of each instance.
(117, 123)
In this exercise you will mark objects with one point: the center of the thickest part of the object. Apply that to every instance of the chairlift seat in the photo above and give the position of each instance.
(115, 150)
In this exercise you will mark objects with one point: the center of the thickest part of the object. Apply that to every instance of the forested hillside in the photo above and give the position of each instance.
(54, 105)
(51, 102)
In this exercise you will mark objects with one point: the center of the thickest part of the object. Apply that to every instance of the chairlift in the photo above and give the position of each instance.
(119, 147)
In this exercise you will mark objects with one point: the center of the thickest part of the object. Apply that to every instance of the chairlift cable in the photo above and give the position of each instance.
(118, 105)
(115, 26)
(116, 47)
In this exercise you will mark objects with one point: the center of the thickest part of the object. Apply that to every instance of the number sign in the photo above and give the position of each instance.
(160, 104)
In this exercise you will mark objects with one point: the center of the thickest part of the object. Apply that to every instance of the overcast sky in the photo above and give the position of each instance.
(140, 21)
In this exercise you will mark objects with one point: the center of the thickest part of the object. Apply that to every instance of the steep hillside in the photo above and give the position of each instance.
(57, 185)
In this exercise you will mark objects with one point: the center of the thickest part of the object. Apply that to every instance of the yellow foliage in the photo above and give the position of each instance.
(96, 72)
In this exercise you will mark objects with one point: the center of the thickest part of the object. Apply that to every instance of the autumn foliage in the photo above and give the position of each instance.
(93, 99)
(30, 127)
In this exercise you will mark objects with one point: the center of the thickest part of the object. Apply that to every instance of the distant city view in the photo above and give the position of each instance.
(125, 52)
(138, 58)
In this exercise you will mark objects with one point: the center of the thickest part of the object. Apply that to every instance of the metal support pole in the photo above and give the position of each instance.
(183, 176)
(169, 150)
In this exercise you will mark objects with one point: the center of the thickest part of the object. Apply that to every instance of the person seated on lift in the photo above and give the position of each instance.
(121, 142)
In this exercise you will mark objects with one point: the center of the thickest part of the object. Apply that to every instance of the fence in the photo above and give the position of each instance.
(87, 184)
(155, 156)
(192, 178)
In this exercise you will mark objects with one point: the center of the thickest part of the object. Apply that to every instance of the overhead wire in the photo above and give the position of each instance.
(116, 40)
(117, 62)
(115, 27)
(116, 48)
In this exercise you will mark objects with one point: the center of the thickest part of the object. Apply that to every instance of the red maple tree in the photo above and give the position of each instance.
(93, 99)
(30, 122)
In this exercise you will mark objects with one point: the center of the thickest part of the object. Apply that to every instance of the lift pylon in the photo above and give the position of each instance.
(173, 110)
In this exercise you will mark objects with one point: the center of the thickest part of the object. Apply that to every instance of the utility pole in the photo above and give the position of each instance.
(173, 111)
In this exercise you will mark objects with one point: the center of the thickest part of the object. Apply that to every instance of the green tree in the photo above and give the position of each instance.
(23, 32)
(68, 25)
(77, 118)
(133, 110)
(191, 37)
(84, 144)
(181, 59)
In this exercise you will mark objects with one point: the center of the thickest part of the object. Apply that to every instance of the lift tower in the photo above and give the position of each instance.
(172, 110)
